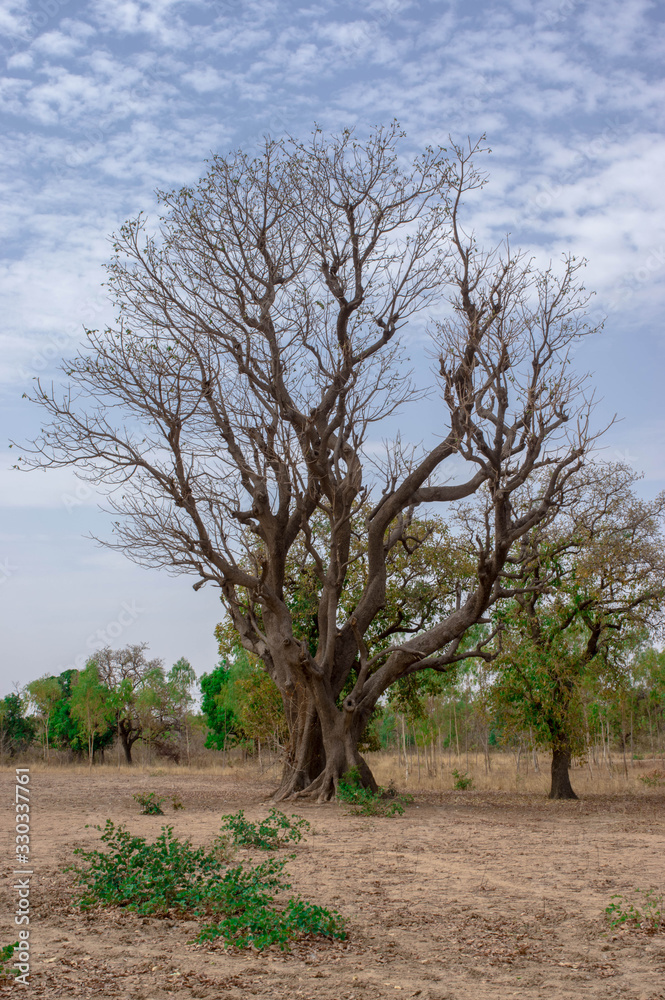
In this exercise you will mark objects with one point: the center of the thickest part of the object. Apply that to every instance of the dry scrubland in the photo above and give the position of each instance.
(494, 892)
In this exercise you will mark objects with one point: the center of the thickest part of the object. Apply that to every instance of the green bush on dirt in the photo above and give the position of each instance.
(364, 802)
(275, 831)
(652, 779)
(150, 804)
(6, 953)
(461, 781)
(646, 912)
(172, 876)
(259, 927)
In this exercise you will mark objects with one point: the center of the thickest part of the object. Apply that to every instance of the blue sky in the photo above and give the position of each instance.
(102, 102)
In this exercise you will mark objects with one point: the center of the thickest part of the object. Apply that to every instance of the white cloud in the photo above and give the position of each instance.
(159, 20)
(58, 44)
(22, 60)
(617, 28)
(204, 79)
(14, 18)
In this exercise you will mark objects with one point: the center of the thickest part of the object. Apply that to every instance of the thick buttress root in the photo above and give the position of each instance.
(323, 788)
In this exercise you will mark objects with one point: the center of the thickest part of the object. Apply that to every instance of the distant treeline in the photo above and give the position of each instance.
(122, 698)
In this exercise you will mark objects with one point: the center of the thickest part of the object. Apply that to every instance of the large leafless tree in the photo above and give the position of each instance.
(258, 342)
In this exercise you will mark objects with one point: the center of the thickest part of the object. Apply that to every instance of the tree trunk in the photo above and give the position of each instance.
(561, 761)
(559, 727)
(127, 743)
(323, 746)
(305, 757)
(406, 759)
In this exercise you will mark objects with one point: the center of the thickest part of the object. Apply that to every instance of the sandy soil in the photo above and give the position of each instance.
(469, 895)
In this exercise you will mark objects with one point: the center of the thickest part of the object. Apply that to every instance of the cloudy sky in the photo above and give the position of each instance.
(102, 102)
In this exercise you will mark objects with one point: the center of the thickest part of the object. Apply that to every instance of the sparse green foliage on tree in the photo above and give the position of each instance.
(17, 731)
(65, 732)
(180, 681)
(45, 693)
(581, 594)
(91, 705)
(139, 694)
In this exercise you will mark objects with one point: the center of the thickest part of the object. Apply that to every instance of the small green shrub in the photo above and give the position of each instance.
(270, 834)
(364, 802)
(6, 954)
(168, 874)
(172, 876)
(259, 927)
(652, 779)
(646, 912)
(462, 781)
(177, 804)
(150, 804)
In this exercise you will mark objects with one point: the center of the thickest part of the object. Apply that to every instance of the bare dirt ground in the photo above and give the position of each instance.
(468, 895)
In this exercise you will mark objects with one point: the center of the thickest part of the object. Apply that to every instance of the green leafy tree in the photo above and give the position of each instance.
(157, 706)
(180, 680)
(91, 705)
(648, 672)
(222, 722)
(580, 595)
(45, 693)
(240, 700)
(65, 732)
(16, 730)
(258, 706)
(138, 693)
